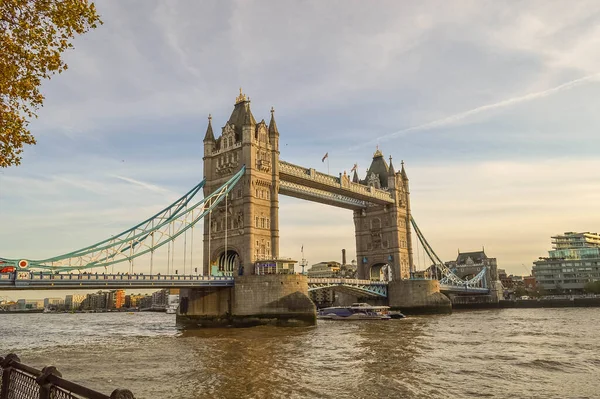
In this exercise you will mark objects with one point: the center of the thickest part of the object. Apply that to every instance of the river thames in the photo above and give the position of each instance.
(507, 353)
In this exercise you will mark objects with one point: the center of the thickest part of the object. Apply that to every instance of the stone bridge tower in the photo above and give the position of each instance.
(383, 234)
(247, 228)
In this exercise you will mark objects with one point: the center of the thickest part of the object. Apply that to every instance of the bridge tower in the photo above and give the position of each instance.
(383, 231)
(245, 229)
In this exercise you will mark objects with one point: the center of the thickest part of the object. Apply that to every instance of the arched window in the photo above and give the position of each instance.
(257, 221)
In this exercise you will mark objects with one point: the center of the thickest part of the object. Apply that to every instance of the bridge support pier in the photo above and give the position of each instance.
(277, 299)
(204, 307)
(418, 297)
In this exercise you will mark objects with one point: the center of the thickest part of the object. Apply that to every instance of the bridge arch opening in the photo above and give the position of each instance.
(381, 272)
(229, 263)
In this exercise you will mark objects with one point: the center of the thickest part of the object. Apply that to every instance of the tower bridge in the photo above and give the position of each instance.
(243, 179)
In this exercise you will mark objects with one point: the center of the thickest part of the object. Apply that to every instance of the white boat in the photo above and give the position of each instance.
(357, 311)
(171, 309)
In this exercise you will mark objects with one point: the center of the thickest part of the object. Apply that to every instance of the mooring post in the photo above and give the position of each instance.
(45, 385)
(122, 394)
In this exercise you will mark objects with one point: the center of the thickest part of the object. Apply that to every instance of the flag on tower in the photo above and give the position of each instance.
(325, 157)
(302, 249)
(355, 167)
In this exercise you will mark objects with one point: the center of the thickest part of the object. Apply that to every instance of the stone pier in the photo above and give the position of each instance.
(280, 300)
(418, 297)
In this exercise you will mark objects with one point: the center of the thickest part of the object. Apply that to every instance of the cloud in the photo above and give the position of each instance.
(457, 118)
(147, 186)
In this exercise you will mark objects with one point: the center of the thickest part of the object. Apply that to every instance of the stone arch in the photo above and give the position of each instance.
(380, 271)
(227, 264)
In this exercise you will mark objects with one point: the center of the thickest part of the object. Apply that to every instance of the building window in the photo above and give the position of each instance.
(256, 221)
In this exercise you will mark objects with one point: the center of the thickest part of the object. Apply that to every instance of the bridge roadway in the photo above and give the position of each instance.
(48, 281)
(306, 183)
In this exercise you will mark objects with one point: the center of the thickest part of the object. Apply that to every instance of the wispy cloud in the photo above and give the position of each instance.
(145, 185)
(456, 118)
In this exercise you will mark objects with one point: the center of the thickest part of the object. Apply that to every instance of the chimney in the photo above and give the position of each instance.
(343, 256)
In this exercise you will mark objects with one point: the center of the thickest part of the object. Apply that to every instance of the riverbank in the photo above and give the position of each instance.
(533, 303)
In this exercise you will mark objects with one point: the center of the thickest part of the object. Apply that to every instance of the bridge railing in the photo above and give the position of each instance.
(123, 277)
(333, 181)
(349, 281)
(19, 381)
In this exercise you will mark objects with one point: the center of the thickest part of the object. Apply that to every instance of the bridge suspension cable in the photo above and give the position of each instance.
(447, 275)
(145, 237)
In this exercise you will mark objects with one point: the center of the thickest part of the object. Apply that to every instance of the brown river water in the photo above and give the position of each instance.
(507, 353)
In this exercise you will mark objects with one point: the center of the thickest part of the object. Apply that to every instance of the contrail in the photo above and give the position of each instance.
(147, 186)
(449, 120)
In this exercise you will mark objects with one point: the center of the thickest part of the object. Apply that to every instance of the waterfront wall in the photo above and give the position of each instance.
(418, 297)
(531, 304)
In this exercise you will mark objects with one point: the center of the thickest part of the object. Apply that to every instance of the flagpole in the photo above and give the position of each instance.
(328, 164)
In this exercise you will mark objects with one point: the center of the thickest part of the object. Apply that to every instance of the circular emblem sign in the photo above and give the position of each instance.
(23, 264)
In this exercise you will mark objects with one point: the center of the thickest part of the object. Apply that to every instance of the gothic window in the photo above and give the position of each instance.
(256, 193)
(268, 223)
(268, 194)
(256, 221)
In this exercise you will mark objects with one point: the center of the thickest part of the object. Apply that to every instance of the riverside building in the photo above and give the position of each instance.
(573, 262)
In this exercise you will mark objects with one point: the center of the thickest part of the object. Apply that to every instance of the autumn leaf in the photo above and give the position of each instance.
(33, 36)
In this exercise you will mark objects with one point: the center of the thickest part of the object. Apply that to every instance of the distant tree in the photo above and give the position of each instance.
(520, 291)
(33, 36)
(539, 292)
(593, 287)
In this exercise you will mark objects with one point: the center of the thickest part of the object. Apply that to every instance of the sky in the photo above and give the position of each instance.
(493, 106)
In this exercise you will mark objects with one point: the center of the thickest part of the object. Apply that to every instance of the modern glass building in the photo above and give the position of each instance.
(573, 262)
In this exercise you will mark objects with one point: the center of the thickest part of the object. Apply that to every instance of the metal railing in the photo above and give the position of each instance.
(19, 381)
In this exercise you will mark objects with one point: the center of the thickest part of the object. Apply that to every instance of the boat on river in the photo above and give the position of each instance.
(357, 311)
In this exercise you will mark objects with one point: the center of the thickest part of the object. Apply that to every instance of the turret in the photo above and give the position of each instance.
(391, 176)
(273, 132)
(209, 138)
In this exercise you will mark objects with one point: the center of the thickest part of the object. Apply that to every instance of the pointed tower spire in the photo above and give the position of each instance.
(355, 178)
(209, 136)
(403, 172)
(391, 171)
(272, 124)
